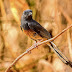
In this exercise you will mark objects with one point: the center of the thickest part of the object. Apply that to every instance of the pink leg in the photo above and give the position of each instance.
(36, 42)
(35, 45)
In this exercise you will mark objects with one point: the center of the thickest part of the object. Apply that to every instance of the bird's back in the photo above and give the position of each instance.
(39, 29)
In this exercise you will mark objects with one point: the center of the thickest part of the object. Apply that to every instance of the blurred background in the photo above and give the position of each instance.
(54, 15)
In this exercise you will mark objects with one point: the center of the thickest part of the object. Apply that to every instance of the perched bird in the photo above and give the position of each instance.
(38, 33)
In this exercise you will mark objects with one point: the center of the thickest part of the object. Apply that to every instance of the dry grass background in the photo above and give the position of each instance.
(54, 15)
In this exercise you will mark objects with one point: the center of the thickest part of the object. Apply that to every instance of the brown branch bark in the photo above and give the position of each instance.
(32, 47)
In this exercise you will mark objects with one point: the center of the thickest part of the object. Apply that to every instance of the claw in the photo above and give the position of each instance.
(28, 51)
(35, 45)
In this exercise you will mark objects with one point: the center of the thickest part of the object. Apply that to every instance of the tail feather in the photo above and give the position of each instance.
(60, 54)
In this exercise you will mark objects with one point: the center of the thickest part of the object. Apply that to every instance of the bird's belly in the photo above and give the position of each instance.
(32, 34)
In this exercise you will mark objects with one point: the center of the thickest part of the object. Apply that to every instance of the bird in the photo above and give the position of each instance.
(38, 33)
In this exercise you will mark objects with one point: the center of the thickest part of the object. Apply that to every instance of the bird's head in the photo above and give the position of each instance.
(27, 14)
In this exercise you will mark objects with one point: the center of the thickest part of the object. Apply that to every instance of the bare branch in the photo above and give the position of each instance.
(68, 34)
(32, 47)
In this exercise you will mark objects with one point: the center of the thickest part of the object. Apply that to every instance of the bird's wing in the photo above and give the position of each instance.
(39, 29)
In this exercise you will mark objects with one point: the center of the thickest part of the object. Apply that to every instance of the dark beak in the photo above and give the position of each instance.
(30, 13)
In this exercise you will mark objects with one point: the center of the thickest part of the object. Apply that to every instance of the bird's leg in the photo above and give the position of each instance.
(36, 42)
(34, 45)
(28, 51)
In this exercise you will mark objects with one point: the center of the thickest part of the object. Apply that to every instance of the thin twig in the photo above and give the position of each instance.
(32, 47)
(68, 34)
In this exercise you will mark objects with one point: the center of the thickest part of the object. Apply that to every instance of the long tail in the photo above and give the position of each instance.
(60, 54)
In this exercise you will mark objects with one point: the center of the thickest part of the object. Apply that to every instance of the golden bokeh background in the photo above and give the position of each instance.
(54, 15)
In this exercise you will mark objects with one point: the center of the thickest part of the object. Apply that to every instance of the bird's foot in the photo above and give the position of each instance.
(28, 51)
(36, 43)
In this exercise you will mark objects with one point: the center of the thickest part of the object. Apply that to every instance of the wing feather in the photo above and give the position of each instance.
(39, 29)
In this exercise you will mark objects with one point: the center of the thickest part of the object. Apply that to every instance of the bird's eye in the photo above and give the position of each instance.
(25, 13)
